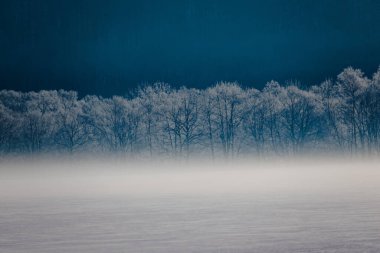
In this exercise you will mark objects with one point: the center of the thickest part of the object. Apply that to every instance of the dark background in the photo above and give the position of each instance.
(109, 47)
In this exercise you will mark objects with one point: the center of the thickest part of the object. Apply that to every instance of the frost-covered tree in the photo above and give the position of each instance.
(147, 100)
(371, 104)
(189, 117)
(208, 121)
(271, 96)
(8, 128)
(352, 85)
(301, 116)
(133, 116)
(341, 114)
(72, 129)
(12, 108)
(229, 112)
(39, 120)
(254, 121)
(156, 133)
(334, 128)
(98, 116)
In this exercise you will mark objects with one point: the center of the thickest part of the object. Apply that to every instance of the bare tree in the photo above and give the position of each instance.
(225, 119)
(255, 120)
(73, 131)
(301, 117)
(39, 119)
(351, 86)
(229, 101)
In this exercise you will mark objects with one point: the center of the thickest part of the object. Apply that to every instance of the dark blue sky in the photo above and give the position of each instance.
(111, 46)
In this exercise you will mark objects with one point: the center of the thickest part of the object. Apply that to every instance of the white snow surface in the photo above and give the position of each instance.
(300, 205)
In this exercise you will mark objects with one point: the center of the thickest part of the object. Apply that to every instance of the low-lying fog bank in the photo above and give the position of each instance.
(95, 206)
(44, 177)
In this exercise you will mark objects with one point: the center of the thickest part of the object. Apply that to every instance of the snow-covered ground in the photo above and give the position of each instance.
(278, 206)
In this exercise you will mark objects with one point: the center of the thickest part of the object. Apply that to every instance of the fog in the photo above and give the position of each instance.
(277, 205)
(44, 178)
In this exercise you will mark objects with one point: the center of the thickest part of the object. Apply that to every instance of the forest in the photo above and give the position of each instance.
(225, 120)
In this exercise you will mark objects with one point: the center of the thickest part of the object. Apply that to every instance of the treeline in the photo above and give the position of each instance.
(226, 119)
